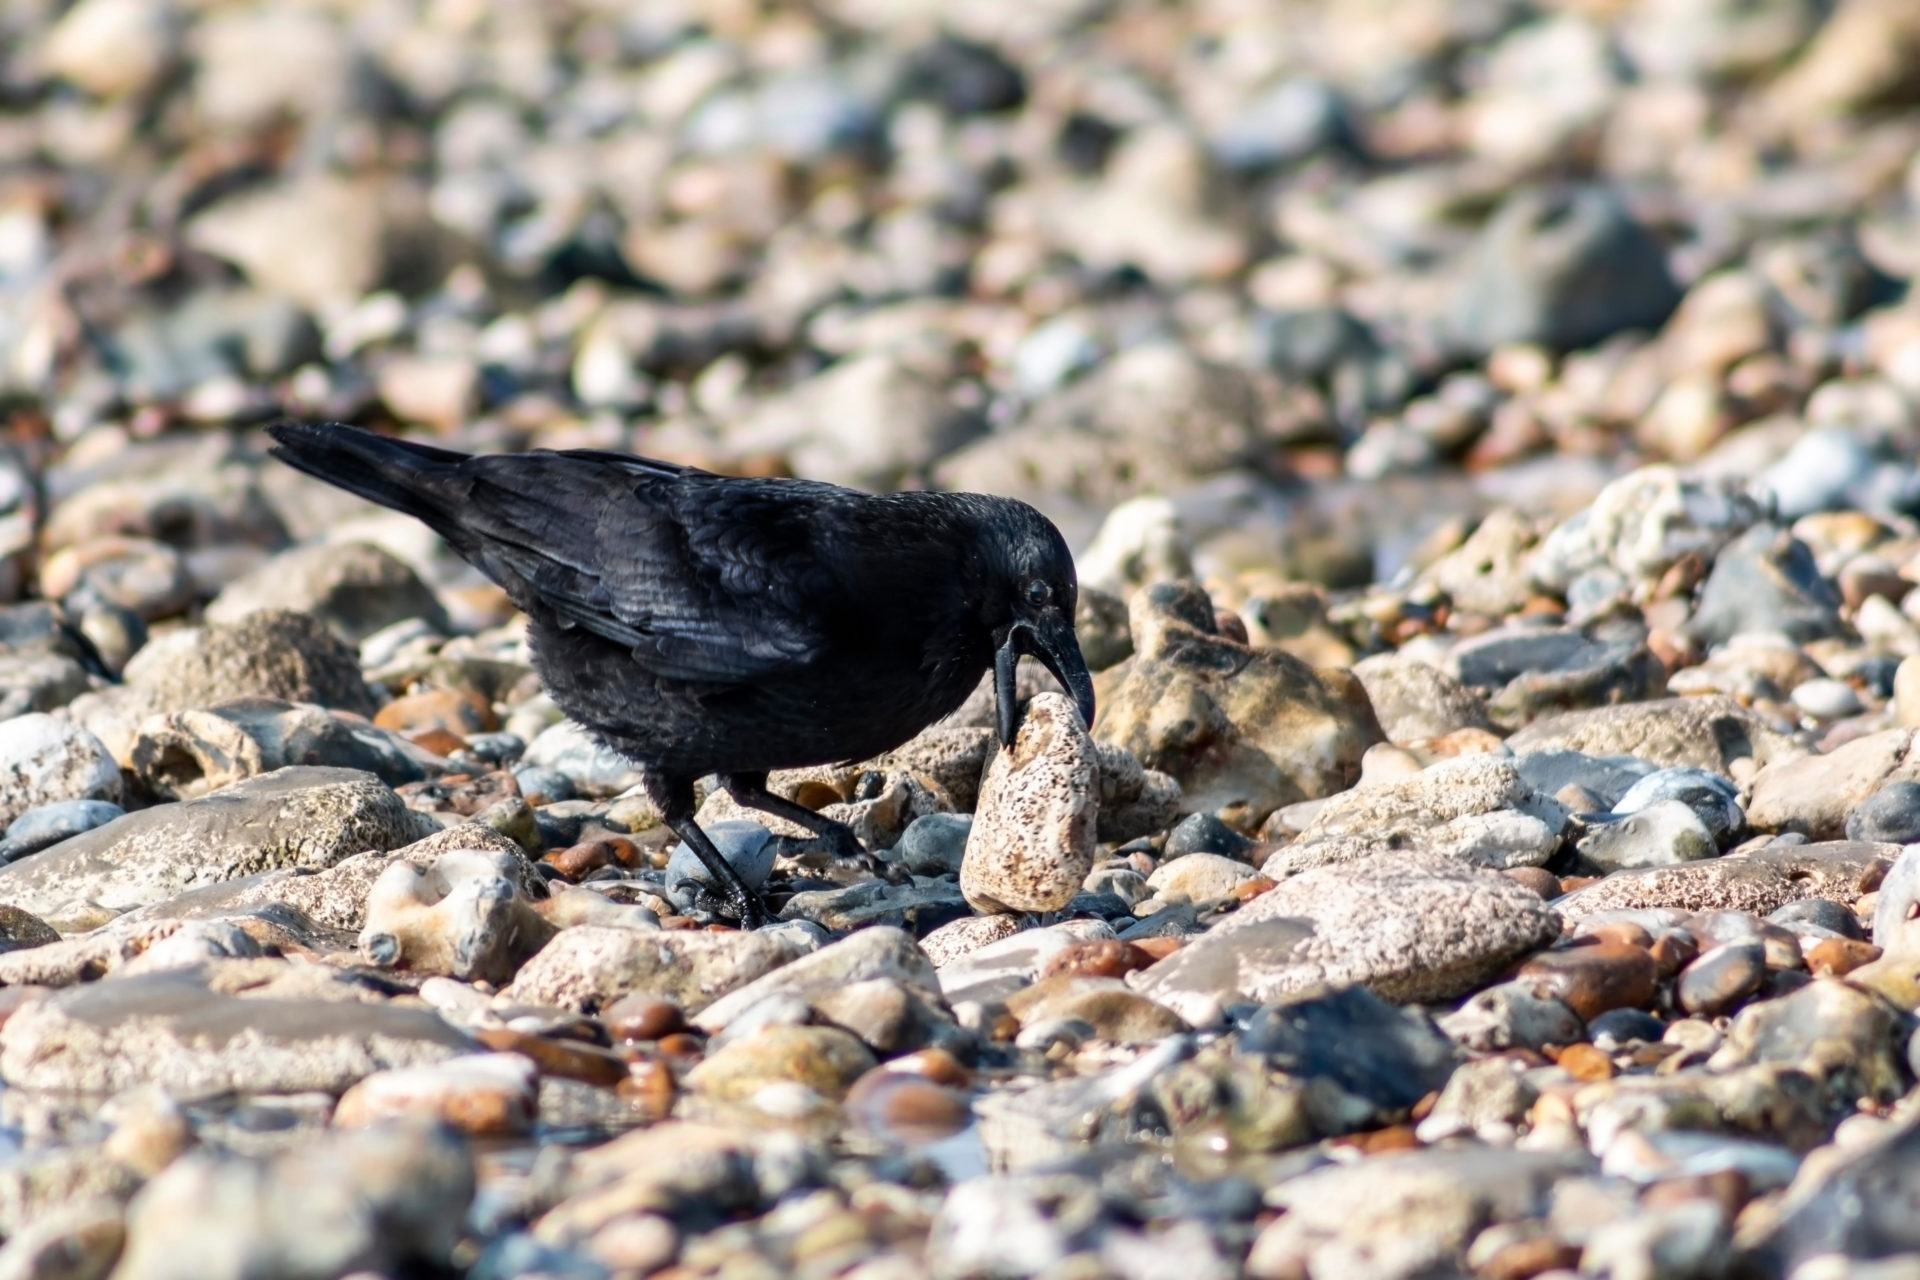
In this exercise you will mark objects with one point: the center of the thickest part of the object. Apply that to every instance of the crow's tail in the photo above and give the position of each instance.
(417, 479)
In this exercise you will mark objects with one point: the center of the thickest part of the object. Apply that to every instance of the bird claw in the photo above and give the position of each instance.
(842, 843)
(749, 912)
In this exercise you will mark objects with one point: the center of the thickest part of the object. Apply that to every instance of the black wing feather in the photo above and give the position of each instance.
(703, 578)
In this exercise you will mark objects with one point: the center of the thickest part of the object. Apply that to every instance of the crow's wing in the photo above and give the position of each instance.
(704, 578)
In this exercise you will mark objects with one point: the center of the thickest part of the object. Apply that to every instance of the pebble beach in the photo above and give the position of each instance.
(1489, 436)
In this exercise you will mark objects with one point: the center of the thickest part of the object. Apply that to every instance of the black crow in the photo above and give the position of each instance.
(701, 624)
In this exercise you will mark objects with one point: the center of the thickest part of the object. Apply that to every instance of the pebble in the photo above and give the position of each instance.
(1891, 815)
(747, 847)
(822, 1060)
(1397, 926)
(1721, 978)
(486, 1095)
(1248, 728)
(45, 761)
(1596, 978)
(1032, 840)
(1607, 472)
(46, 825)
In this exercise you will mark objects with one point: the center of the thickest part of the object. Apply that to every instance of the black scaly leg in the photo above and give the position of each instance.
(750, 789)
(674, 798)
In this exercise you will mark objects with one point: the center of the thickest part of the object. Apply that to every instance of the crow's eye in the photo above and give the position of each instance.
(1038, 592)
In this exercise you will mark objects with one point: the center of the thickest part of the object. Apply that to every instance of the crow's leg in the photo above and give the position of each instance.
(674, 798)
(750, 789)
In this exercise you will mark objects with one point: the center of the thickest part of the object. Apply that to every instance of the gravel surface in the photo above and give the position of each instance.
(1487, 432)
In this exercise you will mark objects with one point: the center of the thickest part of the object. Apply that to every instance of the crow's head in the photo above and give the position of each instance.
(1030, 599)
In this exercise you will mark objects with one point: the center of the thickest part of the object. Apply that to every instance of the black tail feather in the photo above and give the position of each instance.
(416, 479)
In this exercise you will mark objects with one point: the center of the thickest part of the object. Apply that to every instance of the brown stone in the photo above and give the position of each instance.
(906, 1106)
(1586, 1063)
(1721, 978)
(1622, 932)
(1100, 958)
(582, 859)
(1674, 951)
(1538, 879)
(456, 711)
(1595, 977)
(569, 1058)
(1835, 957)
(640, 1017)
(1237, 726)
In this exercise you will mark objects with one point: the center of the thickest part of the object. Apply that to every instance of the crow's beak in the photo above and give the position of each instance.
(1049, 638)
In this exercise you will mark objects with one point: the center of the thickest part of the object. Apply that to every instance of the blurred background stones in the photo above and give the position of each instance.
(1488, 436)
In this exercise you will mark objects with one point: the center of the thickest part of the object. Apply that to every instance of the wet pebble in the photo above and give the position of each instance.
(1721, 978)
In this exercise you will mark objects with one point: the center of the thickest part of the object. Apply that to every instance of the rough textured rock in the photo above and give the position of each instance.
(1235, 726)
(354, 587)
(385, 1199)
(869, 954)
(291, 818)
(171, 1029)
(1416, 700)
(1475, 808)
(1135, 801)
(1404, 1214)
(1644, 523)
(184, 754)
(1033, 834)
(1815, 794)
(823, 1059)
(467, 916)
(1761, 881)
(1703, 733)
(954, 756)
(590, 965)
(1415, 927)
(336, 897)
(957, 939)
(44, 761)
(270, 654)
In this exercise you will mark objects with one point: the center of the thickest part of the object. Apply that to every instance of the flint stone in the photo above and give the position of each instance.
(1389, 1056)
(44, 761)
(1235, 726)
(1032, 840)
(1759, 882)
(1659, 835)
(172, 1030)
(298, 817)
(354, 587)
(1815, 794)
(1417, 927)
(1477, 809)
(589, 966)
(878, 952)
(1703, 733)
